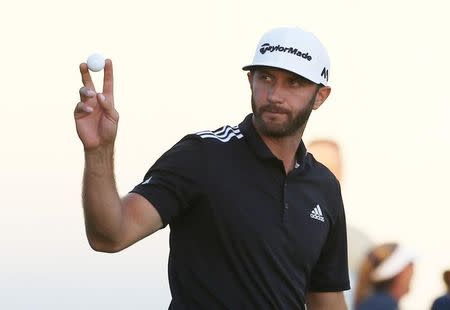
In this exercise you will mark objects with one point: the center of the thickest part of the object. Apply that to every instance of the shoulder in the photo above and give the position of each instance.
(321, 175)
(194, 145)
(199, 139)
(222, 134)
(441, 302)
(319, 170)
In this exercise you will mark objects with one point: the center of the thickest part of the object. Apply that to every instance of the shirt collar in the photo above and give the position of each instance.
(260, 148)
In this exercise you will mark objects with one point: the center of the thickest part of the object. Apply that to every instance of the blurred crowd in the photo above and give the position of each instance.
(380, 274)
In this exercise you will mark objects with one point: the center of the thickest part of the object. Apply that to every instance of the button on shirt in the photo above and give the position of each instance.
(243, 234)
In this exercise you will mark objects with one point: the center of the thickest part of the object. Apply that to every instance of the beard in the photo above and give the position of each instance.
(290, 127)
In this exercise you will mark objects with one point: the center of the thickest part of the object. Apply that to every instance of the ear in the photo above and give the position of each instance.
(321, 96)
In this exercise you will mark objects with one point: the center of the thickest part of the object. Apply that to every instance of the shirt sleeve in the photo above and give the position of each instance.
(330, 274)
(173, 183)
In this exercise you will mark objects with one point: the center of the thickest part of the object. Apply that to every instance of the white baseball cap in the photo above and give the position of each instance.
(295, 50)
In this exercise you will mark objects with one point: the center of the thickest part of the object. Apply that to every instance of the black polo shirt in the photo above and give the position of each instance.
(243, 234)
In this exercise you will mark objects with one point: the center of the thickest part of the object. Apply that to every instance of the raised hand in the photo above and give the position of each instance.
(96, 118)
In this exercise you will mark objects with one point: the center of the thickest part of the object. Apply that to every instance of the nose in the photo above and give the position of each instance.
(276, 93)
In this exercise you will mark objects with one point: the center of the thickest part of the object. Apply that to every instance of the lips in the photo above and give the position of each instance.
(275, 110)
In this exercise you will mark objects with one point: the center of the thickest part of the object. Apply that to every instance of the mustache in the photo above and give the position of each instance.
(274, 109)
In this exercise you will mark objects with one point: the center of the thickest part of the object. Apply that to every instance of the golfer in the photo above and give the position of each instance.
(255, 221)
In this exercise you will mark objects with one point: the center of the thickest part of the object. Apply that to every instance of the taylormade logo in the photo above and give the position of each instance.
(266, 47)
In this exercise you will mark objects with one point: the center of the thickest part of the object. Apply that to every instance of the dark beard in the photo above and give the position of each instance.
(292, 126)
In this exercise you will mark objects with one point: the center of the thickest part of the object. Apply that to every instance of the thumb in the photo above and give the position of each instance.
(108, 108)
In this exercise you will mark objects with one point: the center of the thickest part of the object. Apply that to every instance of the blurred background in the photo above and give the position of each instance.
(178, 70)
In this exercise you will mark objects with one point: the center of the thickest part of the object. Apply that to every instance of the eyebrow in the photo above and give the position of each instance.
(262, 70)
(291, 74)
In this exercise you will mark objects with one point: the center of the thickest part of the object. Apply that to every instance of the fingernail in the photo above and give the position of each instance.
(88, 109)
(90, 93)
(102, 97)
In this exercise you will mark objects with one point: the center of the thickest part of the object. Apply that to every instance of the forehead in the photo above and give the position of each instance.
(277, 71)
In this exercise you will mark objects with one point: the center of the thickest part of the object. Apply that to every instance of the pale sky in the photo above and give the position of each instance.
(177, 71)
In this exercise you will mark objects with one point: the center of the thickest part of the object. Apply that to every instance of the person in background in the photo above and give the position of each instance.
(443, 302)
(384, 277)
(328, 152)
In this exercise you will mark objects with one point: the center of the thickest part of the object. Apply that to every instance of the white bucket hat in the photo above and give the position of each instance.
(295, 50)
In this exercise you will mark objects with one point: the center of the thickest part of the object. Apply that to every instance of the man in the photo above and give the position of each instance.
(256, 222)
(443, 302)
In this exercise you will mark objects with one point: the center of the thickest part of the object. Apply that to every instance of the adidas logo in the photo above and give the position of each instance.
(316, 214)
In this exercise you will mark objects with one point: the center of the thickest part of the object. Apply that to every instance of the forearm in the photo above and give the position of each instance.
(101, 202)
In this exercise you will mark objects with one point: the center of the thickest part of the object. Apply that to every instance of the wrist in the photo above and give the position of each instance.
(100, 158)
(101, 150)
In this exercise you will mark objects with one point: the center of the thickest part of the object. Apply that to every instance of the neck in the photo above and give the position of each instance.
(284, 148)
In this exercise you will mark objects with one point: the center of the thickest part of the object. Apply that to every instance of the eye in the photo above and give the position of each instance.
(297, 83)
(300, 82)
(265, 77)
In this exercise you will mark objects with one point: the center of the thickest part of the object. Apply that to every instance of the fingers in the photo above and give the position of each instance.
(108, 78)
(106, 104)
(89, 98)
(82, 107)
(86, 77)
(86, 93)
(86, 104)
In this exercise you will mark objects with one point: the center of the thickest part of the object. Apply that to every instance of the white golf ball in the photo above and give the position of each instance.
(96, 62)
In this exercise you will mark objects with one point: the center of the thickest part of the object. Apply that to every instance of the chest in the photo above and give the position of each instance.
(260, 207)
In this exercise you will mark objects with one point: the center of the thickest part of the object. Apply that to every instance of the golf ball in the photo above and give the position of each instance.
(96, 62)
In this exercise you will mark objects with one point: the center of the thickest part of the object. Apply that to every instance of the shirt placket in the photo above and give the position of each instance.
(285, 200)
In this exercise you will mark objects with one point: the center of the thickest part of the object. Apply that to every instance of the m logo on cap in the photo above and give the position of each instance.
(325, 73)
